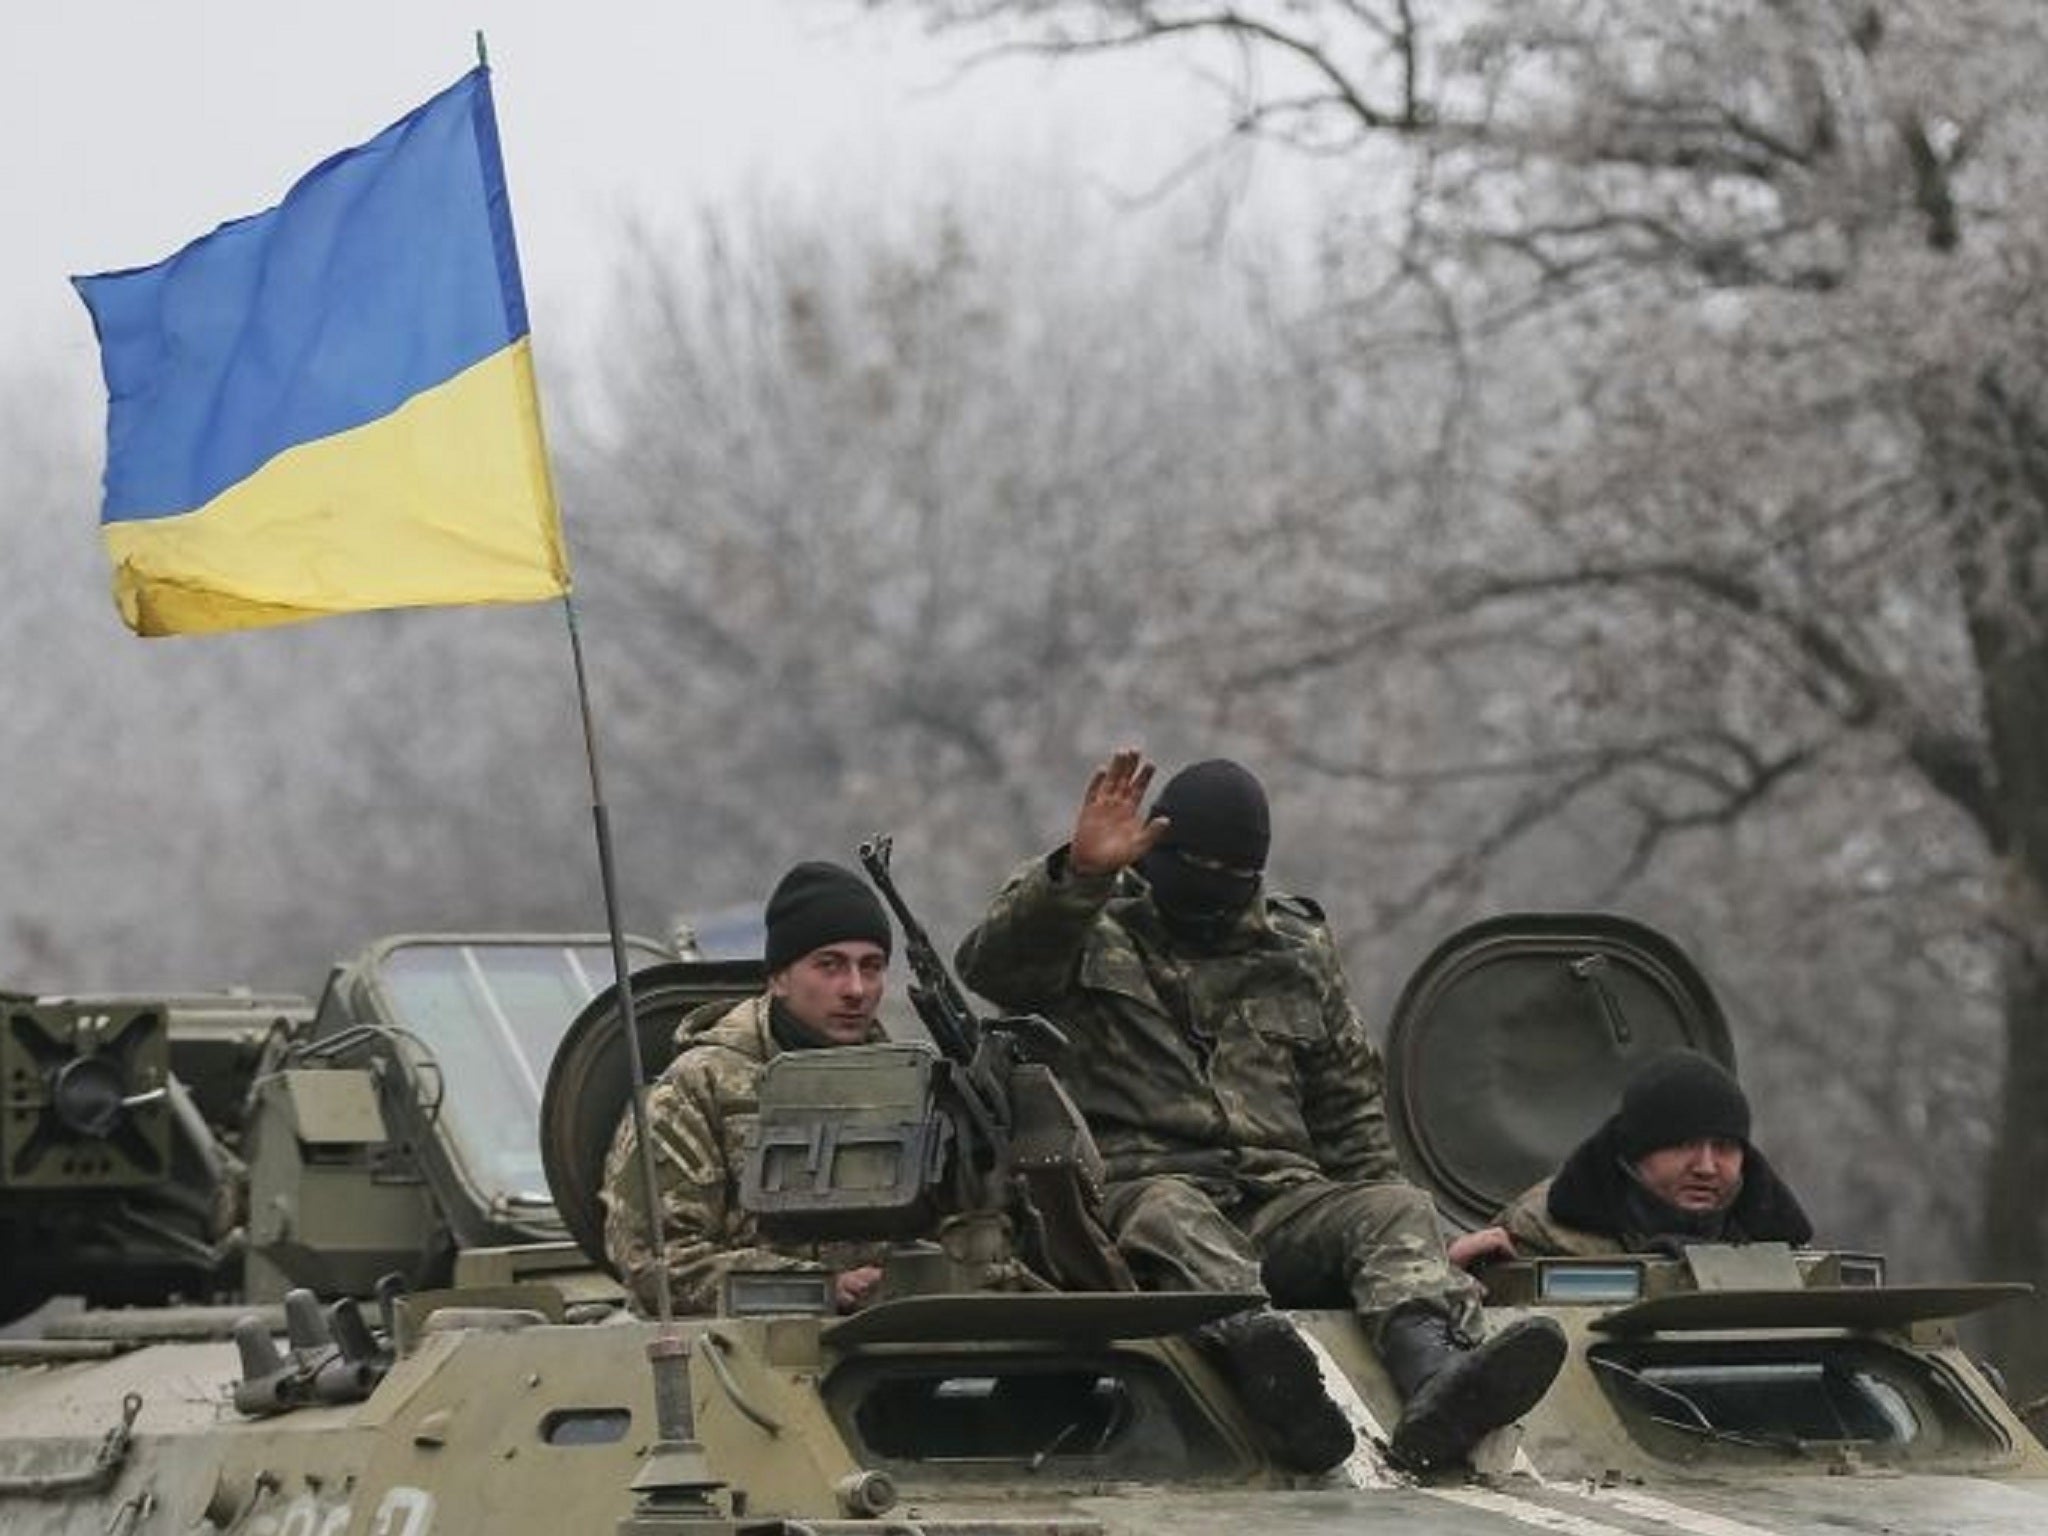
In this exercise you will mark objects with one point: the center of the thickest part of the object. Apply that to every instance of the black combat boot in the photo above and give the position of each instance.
(1454, 1393)
(1281, 1387)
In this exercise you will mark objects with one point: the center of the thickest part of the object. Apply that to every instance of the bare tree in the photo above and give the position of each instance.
(884, 513)
(1742, 502)
(864, 533)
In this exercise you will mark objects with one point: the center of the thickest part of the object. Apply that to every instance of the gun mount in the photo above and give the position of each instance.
(121, 1171)
(228, 1146)
(965, 1152)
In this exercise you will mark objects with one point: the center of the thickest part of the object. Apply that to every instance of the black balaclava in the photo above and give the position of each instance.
(1205, 871)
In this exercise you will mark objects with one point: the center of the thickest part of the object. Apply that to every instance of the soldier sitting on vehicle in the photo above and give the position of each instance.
(1672, 1165)
(828, 946)
(1236, 1100)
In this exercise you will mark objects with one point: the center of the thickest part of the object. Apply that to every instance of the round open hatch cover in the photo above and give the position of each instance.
(1512, 1042)
(590, 1077)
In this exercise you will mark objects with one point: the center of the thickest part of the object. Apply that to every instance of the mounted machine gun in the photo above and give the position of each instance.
(971, 1142)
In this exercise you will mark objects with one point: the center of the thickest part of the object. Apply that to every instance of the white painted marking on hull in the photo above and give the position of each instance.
(1646, 1506)
(1363, 1467)
(1510, 1507)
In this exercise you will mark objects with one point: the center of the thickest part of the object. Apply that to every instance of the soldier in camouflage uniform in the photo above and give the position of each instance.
(1672, 1165)
(1237, 1102)
(828, 944)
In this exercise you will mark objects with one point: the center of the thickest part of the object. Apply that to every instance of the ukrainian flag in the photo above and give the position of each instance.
(330, 406)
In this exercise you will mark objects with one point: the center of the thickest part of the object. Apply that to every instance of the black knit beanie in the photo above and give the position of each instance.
(816, 904)
(1678, 1097)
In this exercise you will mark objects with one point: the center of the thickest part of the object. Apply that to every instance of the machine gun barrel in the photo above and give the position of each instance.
(933, 992)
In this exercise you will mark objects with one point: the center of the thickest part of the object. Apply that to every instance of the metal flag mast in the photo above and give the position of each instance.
(674, 1489)
(601, 820)
(608, 879)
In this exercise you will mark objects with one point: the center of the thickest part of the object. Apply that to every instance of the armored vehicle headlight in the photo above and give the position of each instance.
(778, 1293)
(1865, 1269)
(1589, 1283)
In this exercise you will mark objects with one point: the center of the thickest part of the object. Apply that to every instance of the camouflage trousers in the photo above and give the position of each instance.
(1320, 1244)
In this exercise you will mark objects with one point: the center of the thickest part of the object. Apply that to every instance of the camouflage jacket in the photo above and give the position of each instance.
(699, 1112)
(1246, 1069)
(1538, 1234)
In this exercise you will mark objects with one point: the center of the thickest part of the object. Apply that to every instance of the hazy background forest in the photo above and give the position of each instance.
(1629, 492)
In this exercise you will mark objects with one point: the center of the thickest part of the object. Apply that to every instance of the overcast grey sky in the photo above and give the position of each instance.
(127, 127)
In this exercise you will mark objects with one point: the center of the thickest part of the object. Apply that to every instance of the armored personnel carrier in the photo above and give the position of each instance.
(231, 1146)
(364, 1294)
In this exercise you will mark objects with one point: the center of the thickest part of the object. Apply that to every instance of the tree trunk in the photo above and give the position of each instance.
(2015, 1231)
(2014, 1236)
(2002, 542)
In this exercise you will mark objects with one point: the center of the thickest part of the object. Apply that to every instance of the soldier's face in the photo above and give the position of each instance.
(834, 991)
(1698, 1176)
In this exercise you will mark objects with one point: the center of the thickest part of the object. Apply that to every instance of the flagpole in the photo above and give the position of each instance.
(601, 818)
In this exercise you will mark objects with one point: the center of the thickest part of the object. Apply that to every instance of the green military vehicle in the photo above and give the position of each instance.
(354, 1245)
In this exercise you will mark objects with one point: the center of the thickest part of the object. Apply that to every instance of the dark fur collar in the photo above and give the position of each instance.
(1591, 1192)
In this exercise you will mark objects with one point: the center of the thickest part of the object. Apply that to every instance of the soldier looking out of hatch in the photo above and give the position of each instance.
(828, 945)
(1237, 1103)
(1672, 1165)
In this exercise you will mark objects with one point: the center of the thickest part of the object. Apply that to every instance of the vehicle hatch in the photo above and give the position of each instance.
(1513, 1040)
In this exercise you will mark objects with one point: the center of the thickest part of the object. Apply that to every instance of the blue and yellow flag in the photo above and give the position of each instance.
(329, 406)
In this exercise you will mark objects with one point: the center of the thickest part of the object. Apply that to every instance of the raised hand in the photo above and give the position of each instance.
(1110, 830)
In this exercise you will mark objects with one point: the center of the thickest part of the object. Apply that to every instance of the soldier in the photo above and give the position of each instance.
(1672, 1165)
(828, 944)
(1237, 1103)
